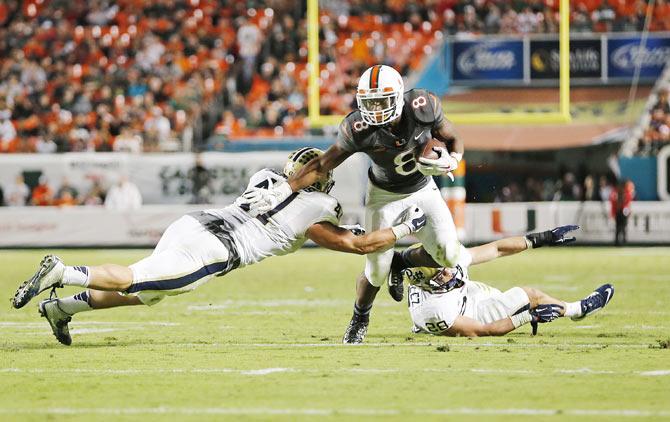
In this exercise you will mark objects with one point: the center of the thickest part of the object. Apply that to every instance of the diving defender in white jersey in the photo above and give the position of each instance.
(211, 243)
(389, 126)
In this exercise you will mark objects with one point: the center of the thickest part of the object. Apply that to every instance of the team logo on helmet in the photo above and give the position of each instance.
(298, 158)
(380, 95)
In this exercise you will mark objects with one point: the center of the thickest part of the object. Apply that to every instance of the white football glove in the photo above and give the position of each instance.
(260, 201)
(411, 221)
(446, 163)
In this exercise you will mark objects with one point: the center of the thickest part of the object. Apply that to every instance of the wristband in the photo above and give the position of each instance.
(529, 244)
(520, 319)
(401, 230)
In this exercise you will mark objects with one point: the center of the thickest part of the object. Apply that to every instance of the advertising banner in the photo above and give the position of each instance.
(167, 178)
(625, 53)
(585, 59)
(488, 60)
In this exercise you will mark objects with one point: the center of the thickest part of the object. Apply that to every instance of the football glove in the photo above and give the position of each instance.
(356, 229)
(260, 201)
(546, 312)
(554, 237)
(411, 221)
(446, 163)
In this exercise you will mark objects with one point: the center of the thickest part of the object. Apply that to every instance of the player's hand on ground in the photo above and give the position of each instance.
(356, 229)
(437, 166)
(414, 218)
(546, 312)
(554, 237)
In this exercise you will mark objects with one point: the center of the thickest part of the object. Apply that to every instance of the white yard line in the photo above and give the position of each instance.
(269, 371)
(264, 411)
(28, 325)
(660, 373)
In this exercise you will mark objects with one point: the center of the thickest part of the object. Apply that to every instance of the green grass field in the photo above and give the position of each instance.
(263, 343)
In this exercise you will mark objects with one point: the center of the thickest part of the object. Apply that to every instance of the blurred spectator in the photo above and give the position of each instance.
(66, 194)
(2, 197)
(7, 131)
(157, 129)
(568, 189)
(18, 193)
(124, 196)
(95, 195)
(128, 141)
(42, 194)
(620, 200)
(200, 182)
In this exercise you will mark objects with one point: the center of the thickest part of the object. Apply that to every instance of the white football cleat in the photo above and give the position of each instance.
(49, 274)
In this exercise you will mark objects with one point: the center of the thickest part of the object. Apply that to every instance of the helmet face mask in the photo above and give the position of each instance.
(380, 95)
(299, 158)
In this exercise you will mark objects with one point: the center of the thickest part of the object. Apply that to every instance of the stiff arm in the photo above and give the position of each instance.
(318, 167)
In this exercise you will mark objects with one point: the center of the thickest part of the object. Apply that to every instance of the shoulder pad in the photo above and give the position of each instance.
(261, 179)
(356, 128)
(419, 105)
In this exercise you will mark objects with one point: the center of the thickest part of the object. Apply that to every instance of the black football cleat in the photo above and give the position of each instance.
(58, 319)
(395, 283)
(357, 329)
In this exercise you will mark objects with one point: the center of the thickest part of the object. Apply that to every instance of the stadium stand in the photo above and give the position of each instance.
(184, 69)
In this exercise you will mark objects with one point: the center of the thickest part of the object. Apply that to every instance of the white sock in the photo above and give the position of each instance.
(75, 304)
(76, 276)
(573, 309)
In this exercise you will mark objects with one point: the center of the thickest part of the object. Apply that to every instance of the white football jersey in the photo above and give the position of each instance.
(436, 312)
(281, 230)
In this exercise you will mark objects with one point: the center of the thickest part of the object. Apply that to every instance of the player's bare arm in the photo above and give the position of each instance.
(468, 327)
(318, 168)
(497, 249)
(341, 239)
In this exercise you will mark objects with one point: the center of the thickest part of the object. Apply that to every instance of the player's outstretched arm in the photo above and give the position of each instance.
(318, 167)
(259, 201)
(341, 239)
(513, 245)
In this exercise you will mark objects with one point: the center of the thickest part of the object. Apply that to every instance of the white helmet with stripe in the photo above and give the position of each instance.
(380, 95)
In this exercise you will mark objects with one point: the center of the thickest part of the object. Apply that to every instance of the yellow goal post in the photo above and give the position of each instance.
(317, 119)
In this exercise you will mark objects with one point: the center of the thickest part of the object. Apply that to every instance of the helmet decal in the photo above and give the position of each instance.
(374, 76)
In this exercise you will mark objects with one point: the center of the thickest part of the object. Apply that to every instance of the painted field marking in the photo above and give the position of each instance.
(270, 371)
(165, 410)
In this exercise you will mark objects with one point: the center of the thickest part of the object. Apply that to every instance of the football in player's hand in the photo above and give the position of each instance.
(426, 150)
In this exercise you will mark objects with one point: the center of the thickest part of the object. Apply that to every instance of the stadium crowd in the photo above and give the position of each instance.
(569, 187)
(122, 195)
(142, 75)
(657, 132)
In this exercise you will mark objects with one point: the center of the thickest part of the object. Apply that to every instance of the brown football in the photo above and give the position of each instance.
(426, 150)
